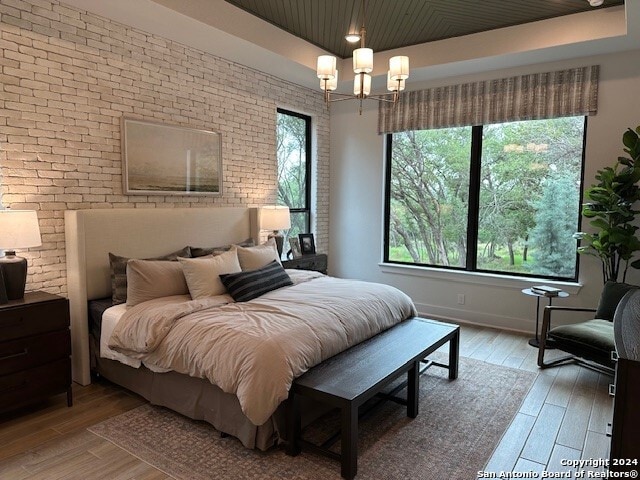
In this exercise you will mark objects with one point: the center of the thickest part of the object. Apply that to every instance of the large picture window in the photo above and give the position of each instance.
(501, 198)
(293, 150)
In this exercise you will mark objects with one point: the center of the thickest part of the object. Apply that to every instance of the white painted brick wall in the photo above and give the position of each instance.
(66, 79)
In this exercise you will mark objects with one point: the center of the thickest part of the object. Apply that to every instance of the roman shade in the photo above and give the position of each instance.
(527, 97)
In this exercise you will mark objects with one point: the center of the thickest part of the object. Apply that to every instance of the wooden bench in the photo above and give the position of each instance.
(354, 376)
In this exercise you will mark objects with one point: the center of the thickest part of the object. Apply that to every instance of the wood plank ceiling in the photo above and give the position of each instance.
(398, 23)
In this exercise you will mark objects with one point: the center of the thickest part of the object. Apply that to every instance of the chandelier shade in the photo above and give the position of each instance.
(399, 67)
(394, 85)
(326, 67)
(362, 67)
(330, 84)
(362, 60)
(362, 85)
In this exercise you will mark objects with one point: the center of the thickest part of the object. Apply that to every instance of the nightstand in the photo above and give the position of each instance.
(316, 262)
(35, 345)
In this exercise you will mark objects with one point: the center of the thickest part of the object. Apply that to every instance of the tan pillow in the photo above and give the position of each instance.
(203, 273)
(252, 258)
(149, 279)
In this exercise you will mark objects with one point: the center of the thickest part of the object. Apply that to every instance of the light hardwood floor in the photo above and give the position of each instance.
(564, 416)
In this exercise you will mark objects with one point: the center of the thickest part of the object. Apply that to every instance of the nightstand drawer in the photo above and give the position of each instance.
(28, 352)
(35, 384)
(34, 319)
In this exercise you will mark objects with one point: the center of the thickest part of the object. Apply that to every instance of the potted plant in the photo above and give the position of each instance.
(612, 214)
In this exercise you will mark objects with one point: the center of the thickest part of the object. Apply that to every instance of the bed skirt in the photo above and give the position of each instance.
(199, 399)
(195, 398)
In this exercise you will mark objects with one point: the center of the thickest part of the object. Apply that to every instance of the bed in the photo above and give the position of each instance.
(142, 233)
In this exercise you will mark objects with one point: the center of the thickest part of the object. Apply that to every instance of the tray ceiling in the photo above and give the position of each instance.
(393, 24)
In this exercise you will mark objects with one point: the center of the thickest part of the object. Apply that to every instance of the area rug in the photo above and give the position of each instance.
(459, 425)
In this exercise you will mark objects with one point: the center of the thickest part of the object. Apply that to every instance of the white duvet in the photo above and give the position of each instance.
(255, 349)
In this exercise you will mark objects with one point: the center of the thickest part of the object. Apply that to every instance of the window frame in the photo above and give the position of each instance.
(475, 166)
(307, 184)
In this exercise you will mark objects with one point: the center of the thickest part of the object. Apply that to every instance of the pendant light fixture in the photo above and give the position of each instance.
(362, 67)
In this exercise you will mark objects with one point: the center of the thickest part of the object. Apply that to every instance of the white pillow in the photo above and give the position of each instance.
(203, 273)
(149, 279)
(252, 258)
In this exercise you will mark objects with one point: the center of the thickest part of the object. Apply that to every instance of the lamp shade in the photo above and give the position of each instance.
(19, 229)
(275, 218)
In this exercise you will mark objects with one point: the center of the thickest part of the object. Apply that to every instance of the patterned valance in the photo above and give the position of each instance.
(527, 97)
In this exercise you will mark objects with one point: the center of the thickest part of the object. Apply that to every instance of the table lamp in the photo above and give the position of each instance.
(275, 218)
(18, 229)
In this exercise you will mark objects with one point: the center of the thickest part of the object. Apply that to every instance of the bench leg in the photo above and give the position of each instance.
(454, 355)
(349, 442)
(293, 425)
(413, 389)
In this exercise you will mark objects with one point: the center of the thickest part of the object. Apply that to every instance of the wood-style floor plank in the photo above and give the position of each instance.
(563, 385)
(560, 453)
(574, 426)
(507, 453)
(543, 434)
(535, 399)
(489, 341)
(525, 465)
(596, 446)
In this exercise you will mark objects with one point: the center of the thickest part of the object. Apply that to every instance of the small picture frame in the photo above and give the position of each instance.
(294, 243)
(307, 243)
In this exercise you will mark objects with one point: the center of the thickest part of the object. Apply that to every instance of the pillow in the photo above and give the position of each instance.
(203, 274)
(118, 267)
(611, 295)
(259, 256)
(251, 284)
(202, 251)
(149, 279)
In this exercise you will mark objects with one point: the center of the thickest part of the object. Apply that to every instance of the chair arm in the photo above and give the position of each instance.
(546, 318)
(569, 309)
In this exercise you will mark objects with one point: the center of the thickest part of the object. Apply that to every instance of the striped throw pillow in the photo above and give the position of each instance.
(244, 286)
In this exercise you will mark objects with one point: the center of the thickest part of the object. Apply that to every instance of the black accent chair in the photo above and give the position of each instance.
(590, 342)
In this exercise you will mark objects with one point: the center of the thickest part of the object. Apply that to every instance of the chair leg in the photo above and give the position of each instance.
(546, 322)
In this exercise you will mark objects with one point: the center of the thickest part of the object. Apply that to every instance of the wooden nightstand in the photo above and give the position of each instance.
(35, 345)
(316, 262)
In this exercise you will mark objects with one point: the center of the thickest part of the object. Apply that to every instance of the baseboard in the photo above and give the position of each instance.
(457, 315)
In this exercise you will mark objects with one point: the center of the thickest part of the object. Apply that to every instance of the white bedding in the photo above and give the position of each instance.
(110, 319)
(255, 349)
(112, 315)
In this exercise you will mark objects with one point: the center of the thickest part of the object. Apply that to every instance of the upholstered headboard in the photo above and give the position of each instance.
(136, 233)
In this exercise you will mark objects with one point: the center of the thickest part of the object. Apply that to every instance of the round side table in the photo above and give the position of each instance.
(535, 342)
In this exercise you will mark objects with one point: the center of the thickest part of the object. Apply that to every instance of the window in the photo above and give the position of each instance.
(293, 149)
(501, 198)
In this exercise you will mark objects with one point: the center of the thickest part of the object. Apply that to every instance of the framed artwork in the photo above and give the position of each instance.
(294, 243)
(168, 160)
(307, 243)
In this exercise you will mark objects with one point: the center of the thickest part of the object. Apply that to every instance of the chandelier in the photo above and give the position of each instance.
(362, 67)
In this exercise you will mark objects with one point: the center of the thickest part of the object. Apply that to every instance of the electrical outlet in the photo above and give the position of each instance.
(461, 299)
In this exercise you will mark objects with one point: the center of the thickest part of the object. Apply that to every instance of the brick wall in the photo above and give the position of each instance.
(68, 76)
